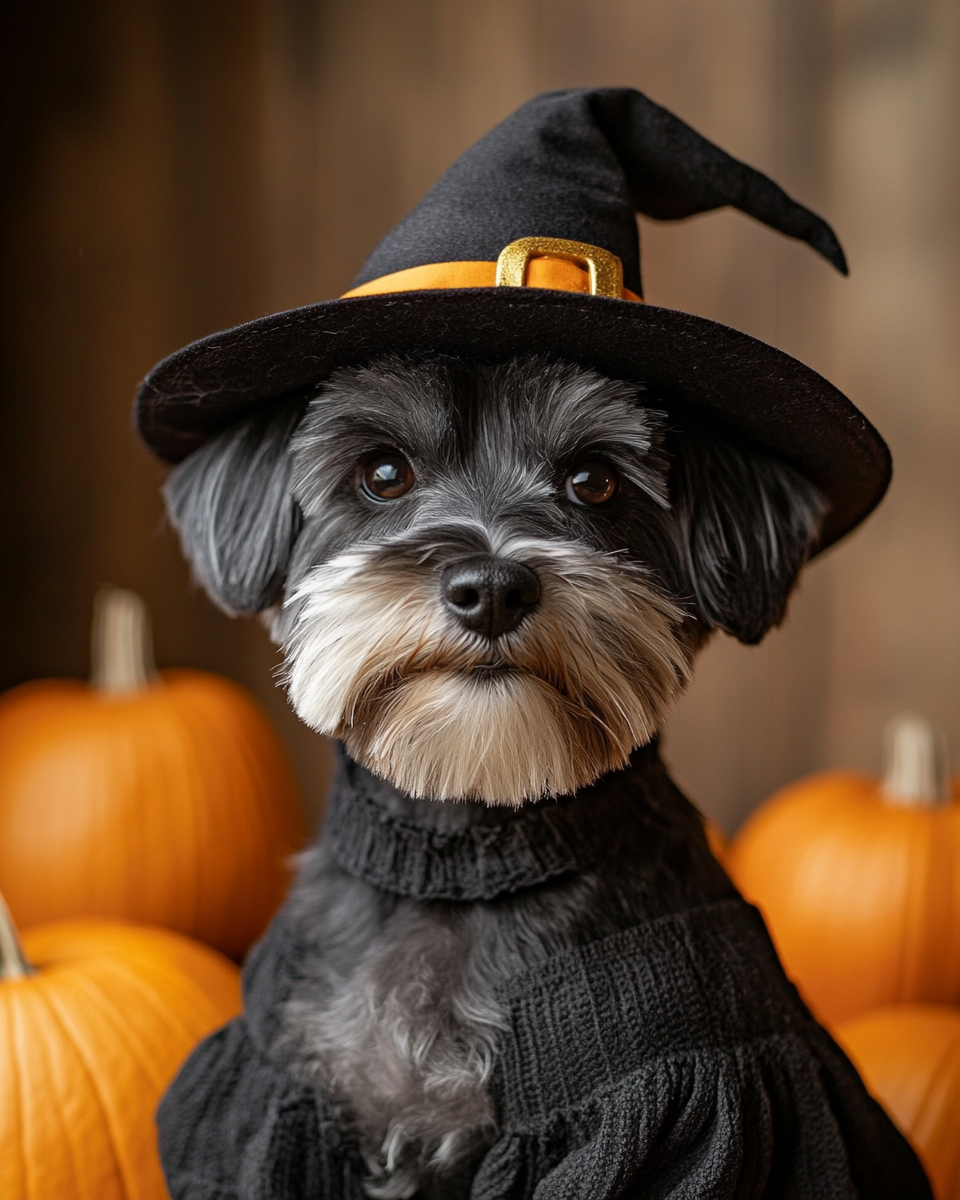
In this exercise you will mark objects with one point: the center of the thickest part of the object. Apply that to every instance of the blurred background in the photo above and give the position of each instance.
(173, 167)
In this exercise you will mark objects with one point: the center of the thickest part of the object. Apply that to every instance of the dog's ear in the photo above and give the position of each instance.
(232, 506)
(746, 524)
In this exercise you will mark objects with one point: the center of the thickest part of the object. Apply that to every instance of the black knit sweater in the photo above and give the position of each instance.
(670, 1058)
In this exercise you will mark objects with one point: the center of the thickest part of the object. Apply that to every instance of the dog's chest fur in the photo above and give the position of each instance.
(397, 1023)
(396, 1012)
(399, 1018)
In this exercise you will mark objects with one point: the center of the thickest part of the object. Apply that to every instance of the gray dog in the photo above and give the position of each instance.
(510, 967)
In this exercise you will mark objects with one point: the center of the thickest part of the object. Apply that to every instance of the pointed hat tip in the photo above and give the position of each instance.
(826, 242)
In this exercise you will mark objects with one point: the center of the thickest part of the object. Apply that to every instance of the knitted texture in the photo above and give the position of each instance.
(671, 1059)
(499, 852)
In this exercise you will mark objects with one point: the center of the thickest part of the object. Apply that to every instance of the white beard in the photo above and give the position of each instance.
(375, 661)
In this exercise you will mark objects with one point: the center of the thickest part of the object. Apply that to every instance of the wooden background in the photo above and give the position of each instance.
(171, 167)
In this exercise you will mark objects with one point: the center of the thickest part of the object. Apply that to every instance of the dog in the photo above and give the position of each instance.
(495, 579)
(491, 511)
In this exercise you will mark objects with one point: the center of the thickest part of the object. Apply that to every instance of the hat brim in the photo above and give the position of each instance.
(758, 391)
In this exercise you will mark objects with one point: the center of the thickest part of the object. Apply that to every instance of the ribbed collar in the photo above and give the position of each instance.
(468, 851)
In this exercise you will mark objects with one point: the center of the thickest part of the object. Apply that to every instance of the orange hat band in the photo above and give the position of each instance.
(554, 263)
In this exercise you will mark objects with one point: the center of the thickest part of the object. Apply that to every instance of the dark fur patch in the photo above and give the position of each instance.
(745, 525)
(232, 506)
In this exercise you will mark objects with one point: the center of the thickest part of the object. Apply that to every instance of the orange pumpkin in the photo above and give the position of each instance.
(164, 799)
(909, 1057)
(90, 1036)
(859, 881)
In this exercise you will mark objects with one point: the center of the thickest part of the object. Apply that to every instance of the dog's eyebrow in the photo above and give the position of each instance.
(372, 404)
(556, 412)
(389, 404)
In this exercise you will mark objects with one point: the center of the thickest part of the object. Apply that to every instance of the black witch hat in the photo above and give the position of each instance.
(528, 244)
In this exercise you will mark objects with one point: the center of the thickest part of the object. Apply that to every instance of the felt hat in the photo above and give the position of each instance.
(529, 244)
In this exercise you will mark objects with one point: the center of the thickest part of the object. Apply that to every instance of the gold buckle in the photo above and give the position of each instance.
(605, 269)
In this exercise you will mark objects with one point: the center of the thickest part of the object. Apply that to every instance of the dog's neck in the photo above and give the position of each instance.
(469, 851)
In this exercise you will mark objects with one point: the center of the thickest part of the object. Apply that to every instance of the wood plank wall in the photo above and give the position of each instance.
(176, 166)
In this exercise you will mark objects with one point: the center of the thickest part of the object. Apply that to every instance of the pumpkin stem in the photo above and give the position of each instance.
(122, 645)
(13, 962)
(916, 774)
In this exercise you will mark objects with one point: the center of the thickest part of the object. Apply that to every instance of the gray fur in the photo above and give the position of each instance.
(396, 1012)
(489, 445)
(727, 527)
(231, 504)
(395, 1018)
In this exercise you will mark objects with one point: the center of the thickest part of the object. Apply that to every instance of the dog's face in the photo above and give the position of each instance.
(493, 578)
(470, 605)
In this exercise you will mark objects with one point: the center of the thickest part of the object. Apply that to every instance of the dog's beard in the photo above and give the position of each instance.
(444, 713)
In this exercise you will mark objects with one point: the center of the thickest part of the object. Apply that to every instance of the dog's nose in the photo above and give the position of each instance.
(489, 595)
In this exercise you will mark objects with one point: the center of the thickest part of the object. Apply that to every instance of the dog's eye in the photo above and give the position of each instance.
(591, 482)
(387, 477)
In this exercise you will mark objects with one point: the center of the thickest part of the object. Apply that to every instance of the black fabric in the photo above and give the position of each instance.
(571, 164)
(755, 390)
(578, 164)
(633, 824)
(502, 851)
(670, 1060)
(675, 1060)
(236, 1126)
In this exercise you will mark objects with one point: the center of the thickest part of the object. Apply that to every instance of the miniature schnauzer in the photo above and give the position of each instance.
(490, 582)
